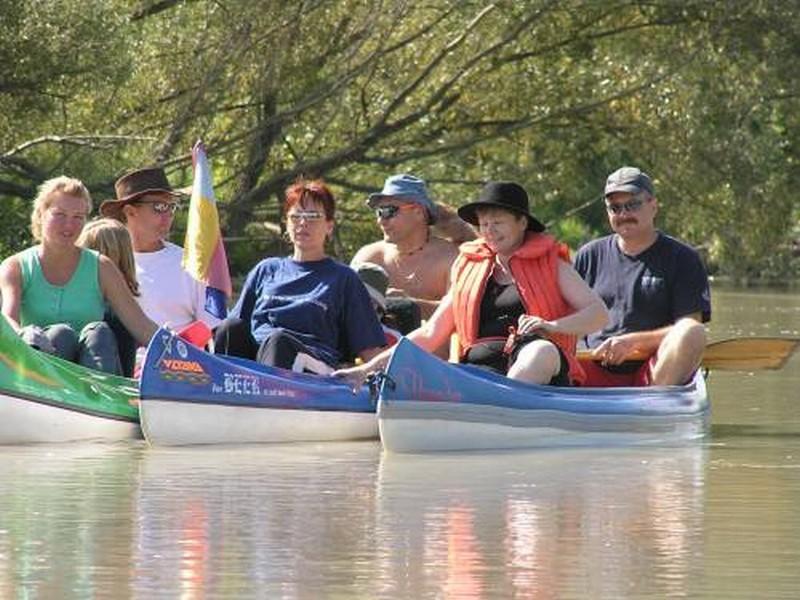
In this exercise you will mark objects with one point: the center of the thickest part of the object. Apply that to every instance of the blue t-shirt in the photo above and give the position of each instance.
(323, 303)
(648, 291)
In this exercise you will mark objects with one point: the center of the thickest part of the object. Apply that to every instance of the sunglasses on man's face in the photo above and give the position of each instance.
(389, 211)
(161, 208)
(630, 206)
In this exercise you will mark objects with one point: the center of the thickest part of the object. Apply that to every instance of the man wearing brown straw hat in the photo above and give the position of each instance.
(146, 204)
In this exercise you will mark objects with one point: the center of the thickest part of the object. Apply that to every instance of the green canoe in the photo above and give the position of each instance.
(46, 399)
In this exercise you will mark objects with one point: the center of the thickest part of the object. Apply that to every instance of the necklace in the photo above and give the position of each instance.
(404, 274)
(414, 250)
(407, 273)
(410, 252)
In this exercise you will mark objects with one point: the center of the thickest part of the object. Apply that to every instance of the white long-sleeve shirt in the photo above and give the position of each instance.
(169, 295)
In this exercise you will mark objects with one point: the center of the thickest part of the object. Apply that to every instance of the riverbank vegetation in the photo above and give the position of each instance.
(554, 94)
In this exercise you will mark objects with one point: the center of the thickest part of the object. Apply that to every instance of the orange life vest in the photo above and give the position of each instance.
(534, 267)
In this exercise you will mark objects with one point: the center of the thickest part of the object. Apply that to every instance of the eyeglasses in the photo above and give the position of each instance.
(630, 206)
(161, 208)
(389, 211)
(307, 215)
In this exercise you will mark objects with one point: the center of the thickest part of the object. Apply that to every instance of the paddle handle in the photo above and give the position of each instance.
(734, 354)
(591, 354)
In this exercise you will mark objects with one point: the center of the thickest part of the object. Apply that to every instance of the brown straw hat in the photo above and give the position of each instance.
(134, 185)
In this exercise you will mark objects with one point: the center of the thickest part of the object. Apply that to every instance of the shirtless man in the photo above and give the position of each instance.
(417, 262)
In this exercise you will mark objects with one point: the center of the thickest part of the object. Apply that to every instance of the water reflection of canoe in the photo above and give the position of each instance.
(191, 397)
(221, 522)
(67, 509)
(525, 524)
(427, 404)
(45, 399)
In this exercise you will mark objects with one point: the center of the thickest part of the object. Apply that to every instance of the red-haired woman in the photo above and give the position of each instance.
(306, 309)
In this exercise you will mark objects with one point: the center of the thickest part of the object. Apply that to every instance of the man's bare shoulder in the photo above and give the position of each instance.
(441, 249)
(374, 253)
(451, 227)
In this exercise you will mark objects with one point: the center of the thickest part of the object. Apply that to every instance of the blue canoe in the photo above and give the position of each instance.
(188, 396)
(427, 404)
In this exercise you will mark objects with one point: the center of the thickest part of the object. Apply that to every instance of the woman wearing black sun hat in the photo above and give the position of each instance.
(515, 301)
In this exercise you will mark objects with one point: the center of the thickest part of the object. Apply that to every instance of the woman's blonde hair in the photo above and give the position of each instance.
(110, 237)
(63, 184)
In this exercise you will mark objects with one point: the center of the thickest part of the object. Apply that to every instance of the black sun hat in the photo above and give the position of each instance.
(501, 194)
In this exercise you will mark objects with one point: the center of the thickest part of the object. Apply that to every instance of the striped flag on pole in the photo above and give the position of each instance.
(203, 252)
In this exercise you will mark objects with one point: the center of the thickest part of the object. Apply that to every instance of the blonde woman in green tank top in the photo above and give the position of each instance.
(55, 293)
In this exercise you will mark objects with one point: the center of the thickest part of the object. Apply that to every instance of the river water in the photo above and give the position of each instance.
(720, 519)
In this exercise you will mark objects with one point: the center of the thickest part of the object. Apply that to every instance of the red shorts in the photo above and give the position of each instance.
(598, 376)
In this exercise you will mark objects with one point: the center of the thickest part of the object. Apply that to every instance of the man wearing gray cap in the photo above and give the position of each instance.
(418, 263)
(655, 287)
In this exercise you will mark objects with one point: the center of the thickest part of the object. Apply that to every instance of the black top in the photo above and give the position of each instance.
(501, 308)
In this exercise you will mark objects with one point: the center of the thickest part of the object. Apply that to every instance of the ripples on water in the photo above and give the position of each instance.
(713, 520)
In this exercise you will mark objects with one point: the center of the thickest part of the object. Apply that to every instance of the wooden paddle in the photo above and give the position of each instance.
(737, 354)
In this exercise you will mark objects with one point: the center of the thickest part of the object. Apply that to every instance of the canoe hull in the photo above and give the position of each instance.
(191, 397)
(25, 421)
(170, 423)
(428, 405)
(44, 399)
(413, 435)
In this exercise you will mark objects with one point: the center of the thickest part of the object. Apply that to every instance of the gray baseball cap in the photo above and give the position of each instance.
(409, 188)
(629, 179)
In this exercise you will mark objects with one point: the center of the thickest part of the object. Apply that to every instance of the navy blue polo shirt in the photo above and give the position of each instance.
(648, 291)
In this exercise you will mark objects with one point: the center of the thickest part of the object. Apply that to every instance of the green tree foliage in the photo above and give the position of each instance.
(554, 94)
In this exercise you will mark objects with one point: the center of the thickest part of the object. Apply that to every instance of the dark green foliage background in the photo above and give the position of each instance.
(555, 95)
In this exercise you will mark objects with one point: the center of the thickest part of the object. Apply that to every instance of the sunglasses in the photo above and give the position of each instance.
(389, 211)
(629, 206)
(161, 208)
(307, 215)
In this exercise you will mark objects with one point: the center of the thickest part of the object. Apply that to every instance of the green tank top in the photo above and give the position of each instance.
(77, 303)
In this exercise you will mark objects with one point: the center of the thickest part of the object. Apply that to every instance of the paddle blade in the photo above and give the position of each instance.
(735, 354)
(749, 354)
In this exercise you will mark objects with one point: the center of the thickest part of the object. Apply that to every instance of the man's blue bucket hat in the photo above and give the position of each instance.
(408, 188)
